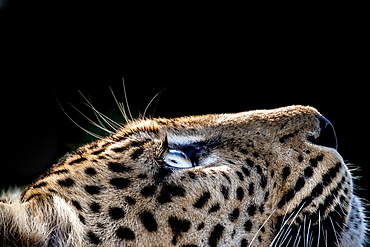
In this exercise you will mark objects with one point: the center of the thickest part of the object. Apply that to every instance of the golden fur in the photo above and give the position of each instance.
(259, 178)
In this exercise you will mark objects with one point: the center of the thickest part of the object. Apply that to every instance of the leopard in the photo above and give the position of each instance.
(256, 178)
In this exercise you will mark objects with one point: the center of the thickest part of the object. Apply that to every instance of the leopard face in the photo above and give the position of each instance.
(258, 178)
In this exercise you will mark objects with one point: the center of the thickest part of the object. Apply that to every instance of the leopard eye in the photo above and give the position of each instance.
(178, 159)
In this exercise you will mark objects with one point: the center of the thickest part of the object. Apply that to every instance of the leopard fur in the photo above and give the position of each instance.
(257, 178)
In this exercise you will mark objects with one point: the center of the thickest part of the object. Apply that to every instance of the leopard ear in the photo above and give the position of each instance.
(40, 220)
(162, 147)
(15, 227)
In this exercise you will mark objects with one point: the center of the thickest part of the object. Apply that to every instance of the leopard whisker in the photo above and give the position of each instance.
(340, 206)
(276, 238)
(297, 237)
(319, 231)
(90, 105)
(91, 121)
(268, 218)
(82, 128)
(309, 238)
(290, 239)
(335, 233)
(151, 101)
(121, 107)
(126, 99)
(283, 231)
(111, 123)
(97, 136)
(286, 235)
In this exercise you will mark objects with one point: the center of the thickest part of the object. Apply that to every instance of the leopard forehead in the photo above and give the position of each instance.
(253, 174)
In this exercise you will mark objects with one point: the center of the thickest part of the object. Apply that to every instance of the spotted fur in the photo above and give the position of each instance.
(262, 178)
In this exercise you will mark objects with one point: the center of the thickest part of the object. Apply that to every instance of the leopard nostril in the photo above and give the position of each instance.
(327, 135)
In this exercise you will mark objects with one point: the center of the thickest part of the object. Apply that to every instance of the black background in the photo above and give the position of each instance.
(206, 59)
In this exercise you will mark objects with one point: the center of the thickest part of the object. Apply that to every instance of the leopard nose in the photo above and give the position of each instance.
(327, 136)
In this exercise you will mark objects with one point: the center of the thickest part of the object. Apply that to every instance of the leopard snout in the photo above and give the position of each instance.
(327, 137)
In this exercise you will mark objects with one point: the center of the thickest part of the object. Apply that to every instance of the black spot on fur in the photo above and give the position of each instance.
(320, 157)
(214, 208)
(286, 172)
(148, 221)
(317, 190)
(136, 154)
(76, 205)
(251, 189)
(225, 192)
(250, 162)
(116, 213)
(137, 143)
(39, 185)
(251, 210)
(263, 181)
(148, 190)
(261, 209)
(118, 167)
(240, 193)
(125, 233)
(82, 219)
(178, 226)
(60, 171)
(90, 171)
(244, 243)
(200, 226)
(246, 171)
(259, 169)
(308, 172)
(169, 190)
(240, 175)
(234, 215)
(92, 189)
(77, 161)
(316, 160)
(68, 182)
(299, 184)
(161, 174)
(225, 176)
(142, 176)
(31, 197)
(120, 183)
(300, 158)
(216, 235)
(248, 225)
(266, 196)
(284, 138)
(202, 200)
(130, 200)
(286, 198)
(95, 207)
(332, 173)
(93, 237)
(119, 150)
(192, 175)
(98, 152)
